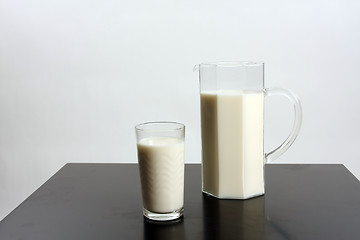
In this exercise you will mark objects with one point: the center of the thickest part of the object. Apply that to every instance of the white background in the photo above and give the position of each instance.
(76, 76)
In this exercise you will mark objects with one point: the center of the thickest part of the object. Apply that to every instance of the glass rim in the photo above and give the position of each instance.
(233, 64)
(176, 126)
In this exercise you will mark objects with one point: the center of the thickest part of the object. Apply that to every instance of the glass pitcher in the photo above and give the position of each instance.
(232, 128)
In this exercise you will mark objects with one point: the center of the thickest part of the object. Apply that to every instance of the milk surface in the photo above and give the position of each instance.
(232, 143)
(161, 164)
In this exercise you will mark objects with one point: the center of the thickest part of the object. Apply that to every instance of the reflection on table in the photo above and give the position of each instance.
(171, 230)
(240, 219)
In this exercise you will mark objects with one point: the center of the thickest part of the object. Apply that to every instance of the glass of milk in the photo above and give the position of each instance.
(232, 128)
(160, 148)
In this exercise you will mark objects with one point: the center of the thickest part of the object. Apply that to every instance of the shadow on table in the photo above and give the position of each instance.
(224, 219)
(172, 230)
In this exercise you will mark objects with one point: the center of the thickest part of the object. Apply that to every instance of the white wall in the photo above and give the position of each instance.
(76, 76)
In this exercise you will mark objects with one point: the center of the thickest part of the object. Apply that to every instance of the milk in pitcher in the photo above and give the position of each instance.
(232, 140)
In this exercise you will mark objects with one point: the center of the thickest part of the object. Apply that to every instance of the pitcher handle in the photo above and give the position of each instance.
(274, 154)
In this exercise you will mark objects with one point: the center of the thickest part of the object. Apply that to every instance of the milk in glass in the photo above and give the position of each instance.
(161, 164)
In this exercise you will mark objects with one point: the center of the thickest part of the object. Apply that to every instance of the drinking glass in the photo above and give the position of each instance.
(160, 148)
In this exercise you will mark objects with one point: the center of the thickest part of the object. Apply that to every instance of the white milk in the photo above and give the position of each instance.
(232, 143)
(161, 164)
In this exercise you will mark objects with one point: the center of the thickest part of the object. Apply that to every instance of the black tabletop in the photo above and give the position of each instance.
(103, 201)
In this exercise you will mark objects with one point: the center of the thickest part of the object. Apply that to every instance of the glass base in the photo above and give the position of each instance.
(163, 216)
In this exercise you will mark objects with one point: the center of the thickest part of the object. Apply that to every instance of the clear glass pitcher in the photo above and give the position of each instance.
(232, 128)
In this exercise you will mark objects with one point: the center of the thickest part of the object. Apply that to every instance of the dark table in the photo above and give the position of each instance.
(103, 201)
